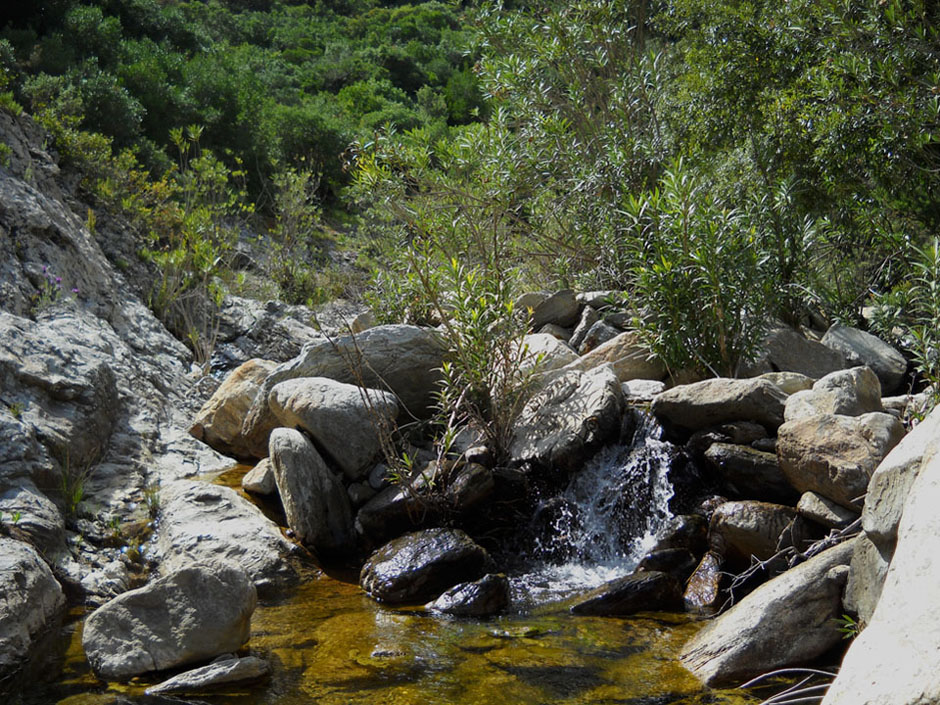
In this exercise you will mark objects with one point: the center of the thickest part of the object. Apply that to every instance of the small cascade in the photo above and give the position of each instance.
(603, 523)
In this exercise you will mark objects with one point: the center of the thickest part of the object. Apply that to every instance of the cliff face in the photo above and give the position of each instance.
(95, 392)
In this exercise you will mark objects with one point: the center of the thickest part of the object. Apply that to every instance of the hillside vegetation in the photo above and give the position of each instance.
(721, 163)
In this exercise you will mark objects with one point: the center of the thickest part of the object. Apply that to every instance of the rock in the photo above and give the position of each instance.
(867, 575)
(716, 401)
(739, 530)
(359, 493)
(31, 606)
(789, 382)
(630, 360)
(597, 335)
(639, 592)
(570, 417)
(346, 422)
(788, 621)
(315, 501)
(471, 485)
(685, 531)
(482, 598)
(225, 670)
(734, 432)
(835, 455)
(200, 522)
(589, 316)
(703, 592)
(362, 322)
(677, 562)
(260, 479)
(861, 348)
(40, 519)
(823, 511)
(639, 391)
(271, 330)
(529, 300)
(788, 351)
(400, 507)
(219, 421)
(561, 308)
(599, 299)
(557, 332)
(419, 567)
(751, 474)
(545, 352)
(105, 584)
(847, 392)
(190, 615)
(405, 360)
(893, 660)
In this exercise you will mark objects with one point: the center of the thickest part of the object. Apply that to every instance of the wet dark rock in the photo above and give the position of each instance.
(640, 592)
(678, 562)
(188, 616)
(398, 508)
(418, 567)
(470, 485)
(704, 593)
(685, 531)
(225, 670)
(751, 474)
(482, 598)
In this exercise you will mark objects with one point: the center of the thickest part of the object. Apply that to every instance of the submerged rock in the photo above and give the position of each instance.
(481, 598)
(225, 670)
(788, 621)
(190, 615)
(639, 592)
(420, 566)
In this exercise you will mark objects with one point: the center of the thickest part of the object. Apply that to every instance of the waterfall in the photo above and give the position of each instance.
(603, 523)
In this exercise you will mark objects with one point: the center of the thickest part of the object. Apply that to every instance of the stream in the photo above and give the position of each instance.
(329, 644)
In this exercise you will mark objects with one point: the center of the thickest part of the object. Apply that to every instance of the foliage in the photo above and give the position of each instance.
(295, 250)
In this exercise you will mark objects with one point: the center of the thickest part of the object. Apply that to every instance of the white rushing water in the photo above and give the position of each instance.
(603, 523)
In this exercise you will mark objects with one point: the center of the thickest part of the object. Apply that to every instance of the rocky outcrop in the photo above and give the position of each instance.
(788, 621)
(190, 615)
(419, 567)
(835, 456)
(346, 422)
(31, 605)
(228, 669)
(861, 348)
(219, 421)
(846, 392)
(893, 660)
(200, 522)
(568, 419)
(481, 598)
(715, 401)
(403, 359)
(315, 501)
(642, 591)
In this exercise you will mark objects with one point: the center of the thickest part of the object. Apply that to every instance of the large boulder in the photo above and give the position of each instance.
(419, 567)
(546, 352)
(31, 605)
(200, 522)
(190, 615)
(346, 422)
(219, 421)
(788, 621)
(405, 360)
(894, 660)
(716, 401)
(561, 308)
(847, 392)
(570, 417)
(315, 501)
(626, 355)
(751, 474)
(639, 592)
(861, 348)
(835, 456)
